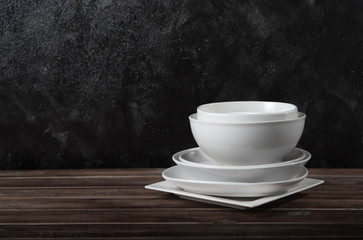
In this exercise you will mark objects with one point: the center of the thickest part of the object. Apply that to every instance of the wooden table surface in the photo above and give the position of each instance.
(113, 204)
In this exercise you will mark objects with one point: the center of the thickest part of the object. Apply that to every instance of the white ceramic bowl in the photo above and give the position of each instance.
(177, 177)
(241, 144)
(246, 111)
(195, 166)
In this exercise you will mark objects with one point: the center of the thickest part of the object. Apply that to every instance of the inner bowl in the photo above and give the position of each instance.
(246, 111)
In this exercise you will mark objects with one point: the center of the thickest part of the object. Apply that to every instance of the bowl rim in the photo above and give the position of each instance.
(193, 118)
(293, 108)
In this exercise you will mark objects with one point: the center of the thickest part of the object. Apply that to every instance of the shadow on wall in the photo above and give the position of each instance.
(112, 83)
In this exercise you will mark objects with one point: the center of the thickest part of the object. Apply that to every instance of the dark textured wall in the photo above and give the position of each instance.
(107, 83)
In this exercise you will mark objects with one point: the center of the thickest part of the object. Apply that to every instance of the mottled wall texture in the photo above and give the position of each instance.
(111, 83)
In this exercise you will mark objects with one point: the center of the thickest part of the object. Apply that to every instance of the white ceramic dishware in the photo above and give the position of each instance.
(239, 203)
(246, 111)
(177, 177)
(288, 169)
(195, 156)
(242, 144)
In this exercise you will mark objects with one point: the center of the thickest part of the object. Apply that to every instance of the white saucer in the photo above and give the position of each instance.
(175, 175)
(196, 156)
(240, 203)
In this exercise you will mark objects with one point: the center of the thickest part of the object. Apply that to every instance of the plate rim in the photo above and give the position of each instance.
(177, 159)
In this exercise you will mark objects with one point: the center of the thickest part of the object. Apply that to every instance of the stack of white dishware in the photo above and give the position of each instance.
(247, 149)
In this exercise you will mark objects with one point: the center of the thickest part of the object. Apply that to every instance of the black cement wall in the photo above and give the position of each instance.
(91, 84)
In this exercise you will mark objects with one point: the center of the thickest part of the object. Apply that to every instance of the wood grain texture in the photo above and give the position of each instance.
(113, 204)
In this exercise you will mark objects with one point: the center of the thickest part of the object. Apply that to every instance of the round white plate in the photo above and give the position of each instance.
(197, 156)
(197, 166)
(176, 176)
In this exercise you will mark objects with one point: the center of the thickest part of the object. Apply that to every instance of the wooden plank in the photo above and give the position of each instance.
(343, 192)
(128, 181)
(191, 230)
(82, 172)
(77, 181)
(78, 192)
(170, 201)
(152, 216)
(336, 171)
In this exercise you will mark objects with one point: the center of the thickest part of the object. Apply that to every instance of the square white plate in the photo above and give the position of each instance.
(235, 202)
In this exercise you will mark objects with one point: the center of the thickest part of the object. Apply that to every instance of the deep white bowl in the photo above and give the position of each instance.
(241, 144)
(177, 177)
(196, 166)
(246, 111)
